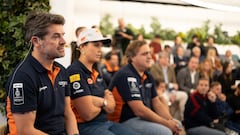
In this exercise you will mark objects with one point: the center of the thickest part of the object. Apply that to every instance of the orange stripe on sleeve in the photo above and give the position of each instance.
(10, 121)
(115, 116)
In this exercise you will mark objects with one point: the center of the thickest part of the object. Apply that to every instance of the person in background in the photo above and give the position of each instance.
(200, 115)
(162, 71)
(137, 103)
(74, 44)
(216, 61)
(180, 60)
(210, 44)
(196, 52)
(224, 110)
(177, 43)
(155, 44)
(122, 37)
(234, 102)
(231, 59)
(195, 42)
(38, 96)
(110, 66)
(162, 93)
(139, 37)
(187, 77)
(226, 79)
(206, 70)
(91, 100)
(168, 50)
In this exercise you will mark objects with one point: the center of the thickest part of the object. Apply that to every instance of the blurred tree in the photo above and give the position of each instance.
(106, 26)
(236, 38)
(12, 46)
(221, 37)
(168, 34)
(201, 32)
(156, 27)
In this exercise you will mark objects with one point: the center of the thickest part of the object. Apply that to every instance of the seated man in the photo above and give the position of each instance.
(163, 71)
(137, 103)
(200, 115)
(187, 77)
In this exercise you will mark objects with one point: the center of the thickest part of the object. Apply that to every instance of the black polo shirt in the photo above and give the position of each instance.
(30, 88)
(128, 85)
(84, 82)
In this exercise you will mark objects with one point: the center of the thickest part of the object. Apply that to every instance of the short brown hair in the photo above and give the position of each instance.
(37, 23)
(213, 84)
(133, 49)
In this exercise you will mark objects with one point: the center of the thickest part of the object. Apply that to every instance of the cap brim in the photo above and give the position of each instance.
(106, 41)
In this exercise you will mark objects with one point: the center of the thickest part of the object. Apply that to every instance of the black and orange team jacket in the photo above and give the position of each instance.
(31, 87)
(128, 85)
(83, 83)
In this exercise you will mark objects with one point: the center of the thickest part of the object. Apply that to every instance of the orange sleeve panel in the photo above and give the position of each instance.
(116, 115)
(11, 123)
(79, 119)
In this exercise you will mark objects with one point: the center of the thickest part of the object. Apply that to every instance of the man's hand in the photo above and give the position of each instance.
(174, 126)
(110, 101)
(222, 97)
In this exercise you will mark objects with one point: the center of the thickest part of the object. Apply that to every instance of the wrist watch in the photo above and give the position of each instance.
(104, 103)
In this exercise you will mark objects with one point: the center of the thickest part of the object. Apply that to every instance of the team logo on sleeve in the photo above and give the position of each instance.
(77, 88)
(18, 94)
(76, 85)
(74, 78)
(132, 84)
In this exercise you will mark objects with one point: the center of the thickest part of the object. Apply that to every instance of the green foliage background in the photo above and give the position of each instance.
(221, 37)
(12, 46)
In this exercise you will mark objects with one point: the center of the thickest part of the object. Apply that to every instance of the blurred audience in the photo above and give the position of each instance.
(187, 77)
(156, 45)
(226, 79)
(210, 44)
(163, 71)
(180, 59)
(196, 52)
(195, 42)
(110, 66)
(200, 115)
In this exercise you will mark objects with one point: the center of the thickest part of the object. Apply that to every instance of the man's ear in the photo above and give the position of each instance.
(35, 40)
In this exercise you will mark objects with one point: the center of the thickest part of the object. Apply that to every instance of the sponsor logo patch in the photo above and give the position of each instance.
(78, 91)
(132, 84)
(62, 83)
(76, 85)
(42, 88)
(75, 77)
(18, 94)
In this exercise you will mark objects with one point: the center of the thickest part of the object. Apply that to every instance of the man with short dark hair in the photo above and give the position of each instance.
(38, 96)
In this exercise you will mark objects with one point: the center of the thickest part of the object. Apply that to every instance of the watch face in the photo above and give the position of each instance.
(104, 102)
